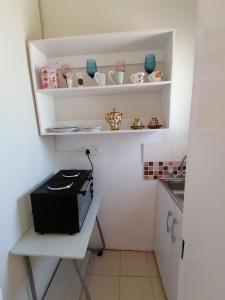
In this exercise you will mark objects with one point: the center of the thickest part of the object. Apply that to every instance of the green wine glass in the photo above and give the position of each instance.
(150, 63)
(91, 67)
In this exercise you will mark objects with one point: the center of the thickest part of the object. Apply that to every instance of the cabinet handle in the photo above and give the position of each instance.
(168, 229)
(173, 237)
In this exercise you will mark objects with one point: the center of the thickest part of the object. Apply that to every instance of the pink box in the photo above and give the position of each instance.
(49, 78)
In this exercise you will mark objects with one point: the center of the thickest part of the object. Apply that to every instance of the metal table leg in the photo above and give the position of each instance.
(82, 281)
(102, 237)
(31, 277)
(32, 285)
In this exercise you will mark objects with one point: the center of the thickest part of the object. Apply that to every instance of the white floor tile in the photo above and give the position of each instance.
(152, 264)
(158, 289)
(104, 287)
(134, 263)
(108, 264)
(136, 288)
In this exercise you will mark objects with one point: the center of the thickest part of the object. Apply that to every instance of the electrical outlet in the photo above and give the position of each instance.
(93, 149)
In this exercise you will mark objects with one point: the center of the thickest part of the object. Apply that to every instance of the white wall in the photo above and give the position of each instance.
(204, 206)
(25, 158)
(127, 212)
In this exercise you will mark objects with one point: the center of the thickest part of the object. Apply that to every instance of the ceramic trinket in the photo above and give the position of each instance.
(154, 123)
(137, 124)
(114, 118)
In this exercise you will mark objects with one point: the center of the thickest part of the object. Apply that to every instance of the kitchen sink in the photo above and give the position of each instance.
(175, 187)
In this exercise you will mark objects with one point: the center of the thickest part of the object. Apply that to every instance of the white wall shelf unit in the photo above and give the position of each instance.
(85, 107)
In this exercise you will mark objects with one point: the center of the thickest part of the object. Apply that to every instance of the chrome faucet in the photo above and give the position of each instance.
(182, 172)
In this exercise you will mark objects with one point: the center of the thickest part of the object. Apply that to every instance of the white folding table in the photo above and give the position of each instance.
(60, 246)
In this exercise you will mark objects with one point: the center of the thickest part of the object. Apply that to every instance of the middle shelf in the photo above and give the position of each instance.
(106, 90)
(121, 131)
(87, 106)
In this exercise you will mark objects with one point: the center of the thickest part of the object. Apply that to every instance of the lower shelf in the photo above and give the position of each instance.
(147, 130)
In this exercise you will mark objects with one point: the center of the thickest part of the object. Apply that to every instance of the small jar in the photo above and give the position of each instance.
(69, 80)
(49, 78)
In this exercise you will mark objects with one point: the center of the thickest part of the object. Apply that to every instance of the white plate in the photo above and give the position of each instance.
(64, 129)
(93, 129)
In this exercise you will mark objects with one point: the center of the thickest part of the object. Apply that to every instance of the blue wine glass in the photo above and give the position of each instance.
(91, 67)
(150, 63)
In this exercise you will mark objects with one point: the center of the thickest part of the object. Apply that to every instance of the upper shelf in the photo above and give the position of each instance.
(106, 90)
(103, 43)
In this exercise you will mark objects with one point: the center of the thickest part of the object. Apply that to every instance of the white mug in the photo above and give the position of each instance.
(137, 77)
(155, 76)
(100, 78)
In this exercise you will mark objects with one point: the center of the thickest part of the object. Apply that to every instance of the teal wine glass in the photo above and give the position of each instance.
(91, 67)
(150, 63)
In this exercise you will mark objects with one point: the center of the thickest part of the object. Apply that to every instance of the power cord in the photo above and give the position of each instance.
(88, 156)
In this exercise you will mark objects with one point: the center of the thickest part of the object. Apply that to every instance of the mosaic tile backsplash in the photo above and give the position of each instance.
(159, 170)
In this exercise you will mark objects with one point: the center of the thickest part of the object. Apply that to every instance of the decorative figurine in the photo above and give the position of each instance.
(137, 124)
(154, 123)
(114, 118)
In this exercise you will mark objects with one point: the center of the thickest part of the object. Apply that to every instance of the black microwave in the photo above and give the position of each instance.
(60, 205)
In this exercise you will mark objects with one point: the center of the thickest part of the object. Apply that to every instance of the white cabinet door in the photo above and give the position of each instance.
(176, 240)
(165, 209)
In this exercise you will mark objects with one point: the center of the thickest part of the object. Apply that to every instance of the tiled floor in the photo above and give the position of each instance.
(124, 275)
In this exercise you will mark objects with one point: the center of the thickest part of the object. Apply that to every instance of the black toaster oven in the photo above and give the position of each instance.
(60, 205)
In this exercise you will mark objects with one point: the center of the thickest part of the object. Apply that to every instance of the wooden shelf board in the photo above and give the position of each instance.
(106, 90)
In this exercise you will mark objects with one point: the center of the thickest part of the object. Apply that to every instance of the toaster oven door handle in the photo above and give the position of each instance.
(85, 187)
